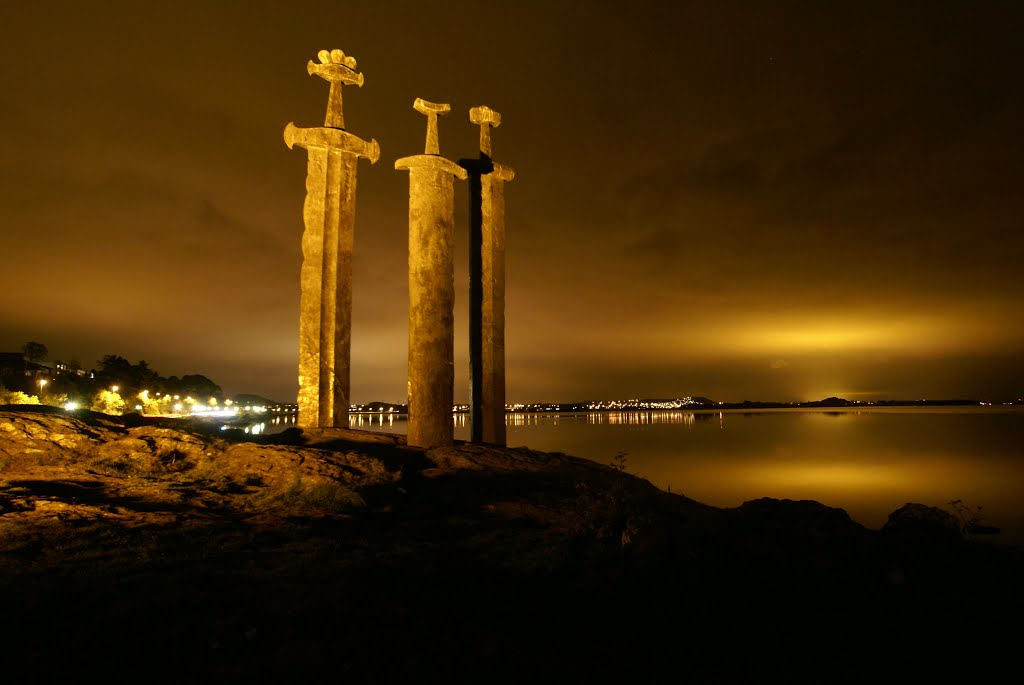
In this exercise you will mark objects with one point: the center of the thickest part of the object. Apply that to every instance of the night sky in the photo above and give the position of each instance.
(766, 201)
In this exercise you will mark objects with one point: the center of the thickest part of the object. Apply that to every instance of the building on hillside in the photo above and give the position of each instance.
(18, 373)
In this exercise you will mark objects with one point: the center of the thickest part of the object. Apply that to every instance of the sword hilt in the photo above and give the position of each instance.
(432, 110)
(486, 118)
(338, 69)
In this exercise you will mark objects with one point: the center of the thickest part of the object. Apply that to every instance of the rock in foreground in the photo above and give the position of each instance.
(158, 549)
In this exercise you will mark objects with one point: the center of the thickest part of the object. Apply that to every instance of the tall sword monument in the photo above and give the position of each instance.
(487, 180)
(431, 287)
(325, 302)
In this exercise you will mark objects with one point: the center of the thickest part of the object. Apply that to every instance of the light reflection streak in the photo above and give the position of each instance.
(601, 418)
(277, 423)
(377, 420)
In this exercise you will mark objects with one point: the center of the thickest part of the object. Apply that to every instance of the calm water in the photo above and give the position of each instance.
(866, 461)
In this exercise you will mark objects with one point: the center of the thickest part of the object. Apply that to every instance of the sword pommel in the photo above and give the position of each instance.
(486, 118)
(432, 110)
(339, 70)
(424, 107)
(335, 73)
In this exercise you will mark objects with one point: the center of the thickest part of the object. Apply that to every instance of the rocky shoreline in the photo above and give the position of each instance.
(158, 550)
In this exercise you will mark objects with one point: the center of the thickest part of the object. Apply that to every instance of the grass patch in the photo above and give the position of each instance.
(309, 496)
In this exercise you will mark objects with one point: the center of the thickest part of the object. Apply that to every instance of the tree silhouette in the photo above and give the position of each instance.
(130, 378)
(197, 386)
(113, 369)
(35, 351)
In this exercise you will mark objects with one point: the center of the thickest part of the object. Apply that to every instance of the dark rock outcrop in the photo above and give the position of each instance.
(922, 524)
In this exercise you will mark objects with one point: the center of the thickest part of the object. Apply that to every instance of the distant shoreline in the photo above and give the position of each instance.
(702, 405)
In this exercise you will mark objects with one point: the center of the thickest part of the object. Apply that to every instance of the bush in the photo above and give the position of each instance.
(17, 397)
(108, 402)
(971, 521)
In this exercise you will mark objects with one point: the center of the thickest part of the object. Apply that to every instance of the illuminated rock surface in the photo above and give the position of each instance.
(131, 547)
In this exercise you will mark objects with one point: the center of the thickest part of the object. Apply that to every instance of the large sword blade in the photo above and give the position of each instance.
(325, 302)
(311, 275)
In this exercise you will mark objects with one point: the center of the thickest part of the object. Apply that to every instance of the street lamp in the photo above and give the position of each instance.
(42, 384)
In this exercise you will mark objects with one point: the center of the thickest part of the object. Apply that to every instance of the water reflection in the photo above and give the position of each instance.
(388, 422)
(272, 425)
(368, 421)
(607, 418)
(640, 418)
(868, 462)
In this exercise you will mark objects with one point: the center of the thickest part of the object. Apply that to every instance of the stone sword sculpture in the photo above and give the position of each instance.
(431, 287)
(325, 301)
(487, 180)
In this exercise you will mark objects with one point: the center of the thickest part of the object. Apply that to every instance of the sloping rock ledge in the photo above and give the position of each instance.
(338, 552)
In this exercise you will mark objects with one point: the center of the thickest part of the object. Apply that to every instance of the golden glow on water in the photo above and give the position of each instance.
(868, 491)
(847, 476)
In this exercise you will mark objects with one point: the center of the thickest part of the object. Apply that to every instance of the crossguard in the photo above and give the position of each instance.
(432, 110)
(331, 139)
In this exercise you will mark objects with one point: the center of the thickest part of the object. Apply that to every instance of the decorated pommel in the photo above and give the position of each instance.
(335, 66)
(486, 118)
(432, 110)
(338, 69)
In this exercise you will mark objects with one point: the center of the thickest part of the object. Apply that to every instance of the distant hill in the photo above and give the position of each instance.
(835, 402)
